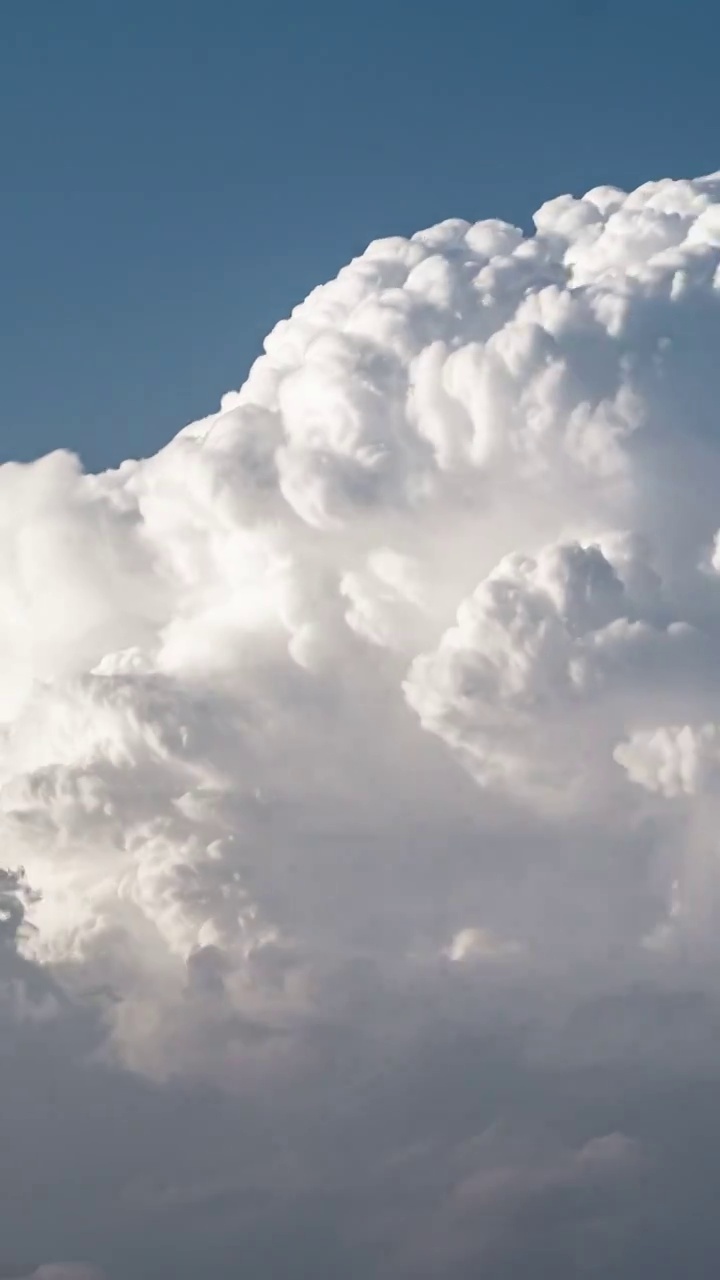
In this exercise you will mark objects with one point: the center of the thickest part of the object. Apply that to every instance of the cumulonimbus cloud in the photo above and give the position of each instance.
(403, 663)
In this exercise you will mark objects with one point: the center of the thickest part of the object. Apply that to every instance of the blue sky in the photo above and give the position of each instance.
(177, 175)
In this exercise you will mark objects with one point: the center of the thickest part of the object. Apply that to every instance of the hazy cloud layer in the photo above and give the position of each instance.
(359, 784)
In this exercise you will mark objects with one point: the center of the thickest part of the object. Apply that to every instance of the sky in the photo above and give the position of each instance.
(176, 178)
(359, 698)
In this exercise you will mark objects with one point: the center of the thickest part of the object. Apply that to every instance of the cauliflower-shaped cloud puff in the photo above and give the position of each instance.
(414, 640)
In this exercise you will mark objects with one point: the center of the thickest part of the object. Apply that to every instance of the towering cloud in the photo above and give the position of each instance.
(381, 710)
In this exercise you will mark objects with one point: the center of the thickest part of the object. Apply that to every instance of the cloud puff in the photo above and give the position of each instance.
(382, 698)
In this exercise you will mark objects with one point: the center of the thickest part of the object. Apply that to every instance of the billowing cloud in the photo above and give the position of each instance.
(381, 710)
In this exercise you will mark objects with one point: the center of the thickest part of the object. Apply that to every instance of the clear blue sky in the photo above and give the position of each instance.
(178, 173)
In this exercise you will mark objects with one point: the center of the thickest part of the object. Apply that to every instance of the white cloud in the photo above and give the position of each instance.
(407, 655)
(462, 513)
(481, 945)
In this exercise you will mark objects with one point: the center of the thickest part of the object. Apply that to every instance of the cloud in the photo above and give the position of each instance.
(505, 1186)
(359, 751)
(65, 1271)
